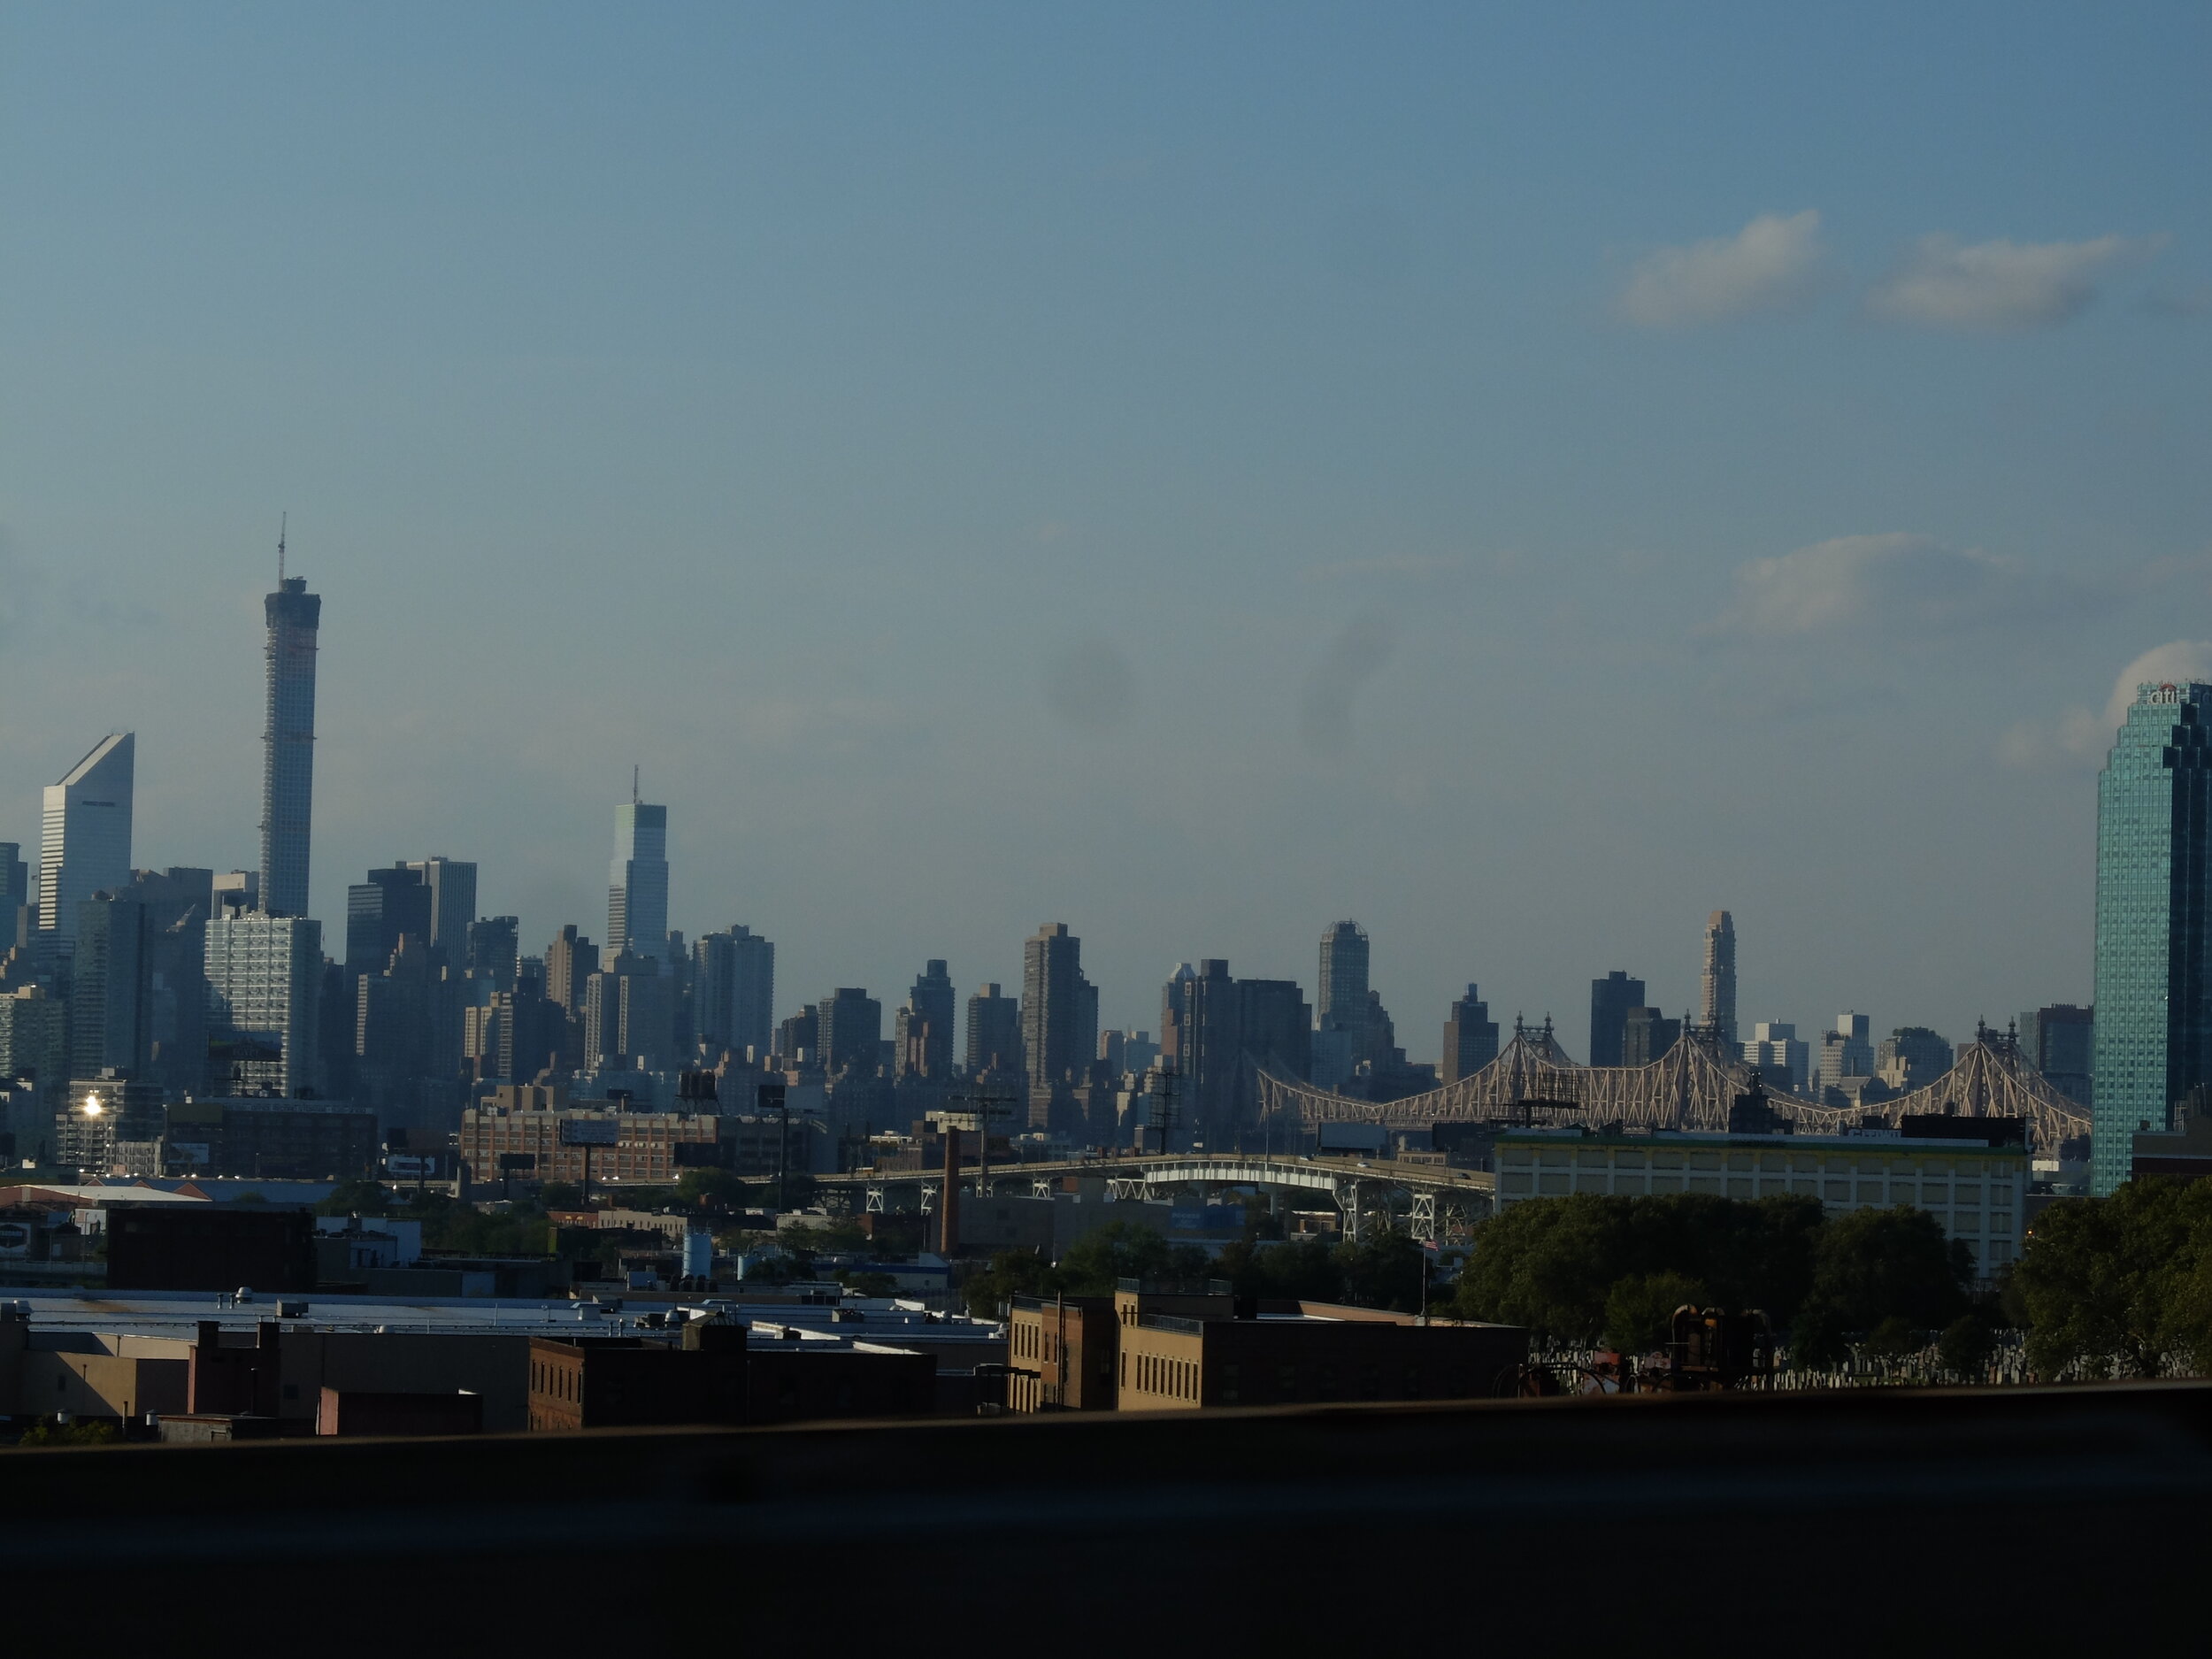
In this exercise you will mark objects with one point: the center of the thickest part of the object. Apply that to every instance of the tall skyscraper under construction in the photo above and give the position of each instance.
(287, 752)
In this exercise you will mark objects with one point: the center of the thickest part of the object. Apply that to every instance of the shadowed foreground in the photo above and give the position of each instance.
(1826, 1518)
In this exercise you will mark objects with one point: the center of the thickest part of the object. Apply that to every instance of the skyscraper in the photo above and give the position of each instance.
(15, 877)
(1716, 1010)
(849, 1026)
(995, 1031)
(391, 905)
(288, 740)
(494, 947)
(1470, 1038)
(637, 883)
(926, 1024)
(2153, 1002)
(452, 885)
(2060, 1042)
(264, 980)
(733, 990)
(1059, 1008)
(87, 848)
(1847, 1051)
(1344, 962)
(1610, 999)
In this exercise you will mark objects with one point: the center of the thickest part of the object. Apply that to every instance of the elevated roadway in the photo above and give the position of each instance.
(1363, 1188)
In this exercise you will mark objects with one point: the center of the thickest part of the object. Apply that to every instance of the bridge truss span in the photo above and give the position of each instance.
(1691, 1087)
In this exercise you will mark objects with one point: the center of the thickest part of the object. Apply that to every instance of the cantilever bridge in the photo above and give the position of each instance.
(1692, 1087)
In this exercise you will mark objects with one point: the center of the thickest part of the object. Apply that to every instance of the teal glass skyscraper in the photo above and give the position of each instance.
(2154, 1008)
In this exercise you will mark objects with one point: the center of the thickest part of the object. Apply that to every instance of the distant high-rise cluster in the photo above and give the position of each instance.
(188, 982)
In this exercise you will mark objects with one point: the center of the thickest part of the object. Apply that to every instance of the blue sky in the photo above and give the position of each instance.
(1520, 477)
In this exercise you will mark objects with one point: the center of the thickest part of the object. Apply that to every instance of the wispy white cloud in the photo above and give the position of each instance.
(2080, 736)
(1898, 583)
(1771, 264)
(2002, 286)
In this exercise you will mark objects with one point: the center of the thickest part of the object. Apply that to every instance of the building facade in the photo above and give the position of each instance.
(2059, 1041)
(637, 883)
(451, 884)
(264, 980)
(1610, 999)
(1059, 1010)
(733, 990)
(288, 745)
(1975, 1190)
(2153, 984)
(1470, 1038)
(993, 1034)
(1716, 1005)
(87, 845)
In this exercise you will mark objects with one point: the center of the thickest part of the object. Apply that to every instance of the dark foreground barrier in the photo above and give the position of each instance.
(1861, 1521)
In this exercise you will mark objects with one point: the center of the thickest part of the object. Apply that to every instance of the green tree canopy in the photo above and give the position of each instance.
(2121, 1283)
(1552, 1264)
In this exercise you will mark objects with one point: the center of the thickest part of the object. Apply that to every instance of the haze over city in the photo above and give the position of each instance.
(1523, 481)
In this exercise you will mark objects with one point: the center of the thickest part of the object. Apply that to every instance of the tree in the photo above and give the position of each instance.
(1307, 1270)
(715, 1190)
(1877, 1264)
(1383, 1272)
(355, 1198)
(2121, 1283)
(1011, 1273)
(1124, 1249)
(1639, 1311)
(1965, 1346)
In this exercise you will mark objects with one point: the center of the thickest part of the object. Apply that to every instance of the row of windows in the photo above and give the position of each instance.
(1768, 1163)
(1157, 1374)
(1032, 1342)
(563, 1382)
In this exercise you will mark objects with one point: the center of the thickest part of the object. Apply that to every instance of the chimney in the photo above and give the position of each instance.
(949, 1204)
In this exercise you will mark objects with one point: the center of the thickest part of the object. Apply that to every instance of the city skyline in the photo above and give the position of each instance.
(1195, 527)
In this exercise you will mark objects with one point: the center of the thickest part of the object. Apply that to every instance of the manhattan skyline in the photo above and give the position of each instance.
(1099, 481)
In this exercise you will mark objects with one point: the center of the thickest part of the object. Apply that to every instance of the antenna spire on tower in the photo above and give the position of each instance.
(283, 523)
(635, 796)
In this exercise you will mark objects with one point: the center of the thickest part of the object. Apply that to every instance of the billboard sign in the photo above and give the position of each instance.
(588, 1132)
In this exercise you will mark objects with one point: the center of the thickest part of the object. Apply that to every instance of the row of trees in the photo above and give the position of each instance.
(1385, 1273)
(1587, 1269)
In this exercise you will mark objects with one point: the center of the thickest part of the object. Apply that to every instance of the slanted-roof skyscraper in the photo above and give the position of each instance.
(1717, 1008)
(87, 848)
(2154, 1019)
(287, 742)
(637, 883)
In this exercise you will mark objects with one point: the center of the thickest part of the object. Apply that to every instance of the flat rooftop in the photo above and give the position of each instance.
(157, 1313)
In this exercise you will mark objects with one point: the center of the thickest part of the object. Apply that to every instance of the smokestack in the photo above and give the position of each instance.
(949, 1205)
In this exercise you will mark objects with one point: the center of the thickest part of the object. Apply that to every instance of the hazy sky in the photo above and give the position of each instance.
(1519, 477)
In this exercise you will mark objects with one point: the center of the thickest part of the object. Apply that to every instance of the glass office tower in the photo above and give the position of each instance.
(637, 885)
(2153, 1030)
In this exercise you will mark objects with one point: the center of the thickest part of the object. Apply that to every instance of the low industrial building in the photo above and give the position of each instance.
(1173, 1348)
(1972, 1174)
(271, 1365)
